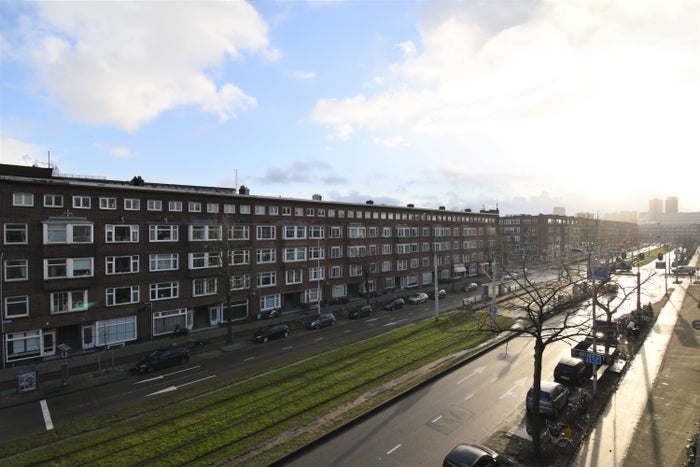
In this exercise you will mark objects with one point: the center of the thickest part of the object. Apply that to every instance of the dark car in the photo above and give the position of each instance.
(272, 331)
(321, 321)
(572, 370)
(471, 455)
(553, 397)
(163, 358)
(441, 294)
(395, 304)
(361, 312)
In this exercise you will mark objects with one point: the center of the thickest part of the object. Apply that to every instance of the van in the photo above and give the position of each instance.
(571, 370)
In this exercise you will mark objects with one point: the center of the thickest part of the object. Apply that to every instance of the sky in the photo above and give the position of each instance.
(520, 105)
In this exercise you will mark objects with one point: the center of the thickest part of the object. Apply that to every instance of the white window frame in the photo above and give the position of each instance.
(21, 265)
(239, 232)
(23, 199)
(163, 233)
(75, 300)
(154, 205)
(213, 208)
(194, 206)
(19, 301)
(292, 255)
(132, 204)
(204, 286)
(53, 201)
(240, 281)
(164, 262)
(175, 206)
(163, 291)
(113, 295)
(81, 202)
(239, 256)
(266, 256)
(108, 203)
(68, 266)
(265, 232)
(17, 229)
(68, 230)
(128, 233)
(293, 276)
(204, 233)
(267, 279)
(294, 232)
(114, 264)
(204, 260)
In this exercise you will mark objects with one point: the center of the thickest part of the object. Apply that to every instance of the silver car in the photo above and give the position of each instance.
(416, 298)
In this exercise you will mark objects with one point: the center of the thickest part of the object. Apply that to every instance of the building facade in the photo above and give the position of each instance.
(91, 263)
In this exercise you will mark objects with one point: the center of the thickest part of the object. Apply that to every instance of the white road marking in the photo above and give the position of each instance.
(436, 419)
(46, 414)
(249, 359)
(175, 388)
(469, 397)
(476, 371)
(156, 378)
(288, 347)
(393, 449)
(511, 392)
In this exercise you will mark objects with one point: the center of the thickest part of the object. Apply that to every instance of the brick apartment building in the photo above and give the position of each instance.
(91, 262)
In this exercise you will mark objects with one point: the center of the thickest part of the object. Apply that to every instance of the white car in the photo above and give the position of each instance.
(419, 297)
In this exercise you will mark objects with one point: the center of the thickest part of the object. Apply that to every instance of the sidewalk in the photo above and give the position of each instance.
(656, 406)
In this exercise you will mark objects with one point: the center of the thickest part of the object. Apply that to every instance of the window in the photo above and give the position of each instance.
(108, 203)
(213, 208)
(163, 262)
(317, 274)
(294, 254)
(316, 252)
(239, 257)
(164, 290)
(266, 255)
(204, 259)
(122, 264)
(310, 212)
(356, 231)
(356, 270)
(203, 233)
(239, 232)
(266, 232)
(175, 206)
(358, 251)
(286, 211)
(240, 282)
(259, 210)
(16, 270)
(336, 252)
(154, 205)
(372, 232)
(294, 232)
(162, 233)
(321, 212)
(244, 209)
(293, 276)
(386, 232)
(61, 268)
(401, 265)
(61, 232)
(269, 302)
(81, 202)
(65, 302)
(53, 201)
(229, 208)
(165, 321)
(21, 345)
(16, 234)
(23, 199)
(299, 212)
(121, 233)
(122, 295)
(115, 330)
(193, 206)
(386, 266)
(267, 279)
(132, 204)
(205, 286)
(336, 272)
(316, 232)
(16, 307)
(274, 210)
(336, 232)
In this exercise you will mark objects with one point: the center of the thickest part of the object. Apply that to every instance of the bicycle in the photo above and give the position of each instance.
(558, 435)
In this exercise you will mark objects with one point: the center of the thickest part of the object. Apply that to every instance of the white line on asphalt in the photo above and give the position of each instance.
(469, 397)
(476, 371)
(249, 359)
(175, 388)
(393, 449)
(436, 419)
(46, 414)
(288, 347)
(156, 378)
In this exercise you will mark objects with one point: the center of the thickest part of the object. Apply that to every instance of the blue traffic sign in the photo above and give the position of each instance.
(594, 358)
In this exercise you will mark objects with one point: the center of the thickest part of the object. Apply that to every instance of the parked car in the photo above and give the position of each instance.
(416, 298)
(361, 312)
(395, 304)
(271, 331)
(571, 370)
(553, 397)
(321, 321)
(163, 358)
(471, 455)
(441, 294)
(471, 287)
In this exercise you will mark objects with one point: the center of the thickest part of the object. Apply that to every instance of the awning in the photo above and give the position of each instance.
(460, 268)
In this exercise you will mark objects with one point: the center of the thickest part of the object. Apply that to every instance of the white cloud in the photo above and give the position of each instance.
(121, 152)
(124, 63)
(16, 152)
(564, 93)
(301, 75)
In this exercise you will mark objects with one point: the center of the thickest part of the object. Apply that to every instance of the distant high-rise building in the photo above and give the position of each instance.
(671, 206)
(656, 208)
(559, 211)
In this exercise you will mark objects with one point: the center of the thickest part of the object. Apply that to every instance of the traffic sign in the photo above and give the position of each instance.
(594, 358)
(696, 324)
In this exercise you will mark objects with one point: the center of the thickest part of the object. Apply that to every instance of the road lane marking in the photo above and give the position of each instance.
(476, 371)
(288, 347)
(156, 378)
(175, 388)
(436, 419)
(46, 414)
(511, 392)
(469, 397)
(249, 359)
(394, 448)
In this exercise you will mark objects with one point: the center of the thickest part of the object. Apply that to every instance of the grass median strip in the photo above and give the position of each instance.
(233, 418)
